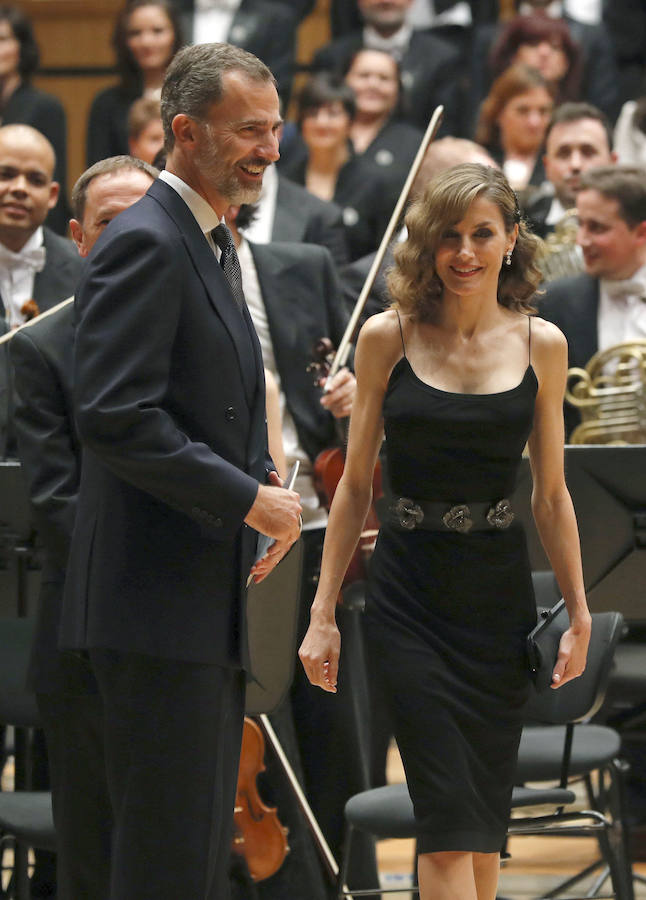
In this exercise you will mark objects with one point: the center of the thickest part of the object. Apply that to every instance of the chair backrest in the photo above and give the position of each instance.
(17, 701)
(581, 698)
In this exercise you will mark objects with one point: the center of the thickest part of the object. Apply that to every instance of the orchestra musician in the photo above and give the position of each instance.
(50, 455)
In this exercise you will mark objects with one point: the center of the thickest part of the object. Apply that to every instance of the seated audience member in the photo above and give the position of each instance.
(440, 155)
(512, 123)
(266, 28)
(49, 448)
(578, 138)
(23, 104)
(146, 37)
(333, 172)
(377, 131)
(345, 16)
(542, 43)
(599, 70)
(37, 267)
(630, 133)
(145, 129)
(605, 305)
(430, 67)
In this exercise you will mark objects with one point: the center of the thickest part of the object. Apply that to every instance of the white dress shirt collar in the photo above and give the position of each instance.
(205, 216)
(17, 280)
(622, 310)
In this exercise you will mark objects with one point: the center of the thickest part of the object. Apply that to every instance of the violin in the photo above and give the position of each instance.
(258, 833)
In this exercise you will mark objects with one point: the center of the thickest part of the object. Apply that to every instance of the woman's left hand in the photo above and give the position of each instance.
(572, 656)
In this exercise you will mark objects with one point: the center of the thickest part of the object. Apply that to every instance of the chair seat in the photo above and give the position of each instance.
(541, 751)
(387, 812)
(27, 815)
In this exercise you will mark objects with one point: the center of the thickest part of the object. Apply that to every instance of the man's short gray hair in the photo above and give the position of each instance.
(105, 167)
(194, 81)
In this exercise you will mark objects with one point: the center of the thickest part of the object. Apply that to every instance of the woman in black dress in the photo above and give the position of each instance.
(459, 377)
(330, 169)
(378, 134)
(146, 36)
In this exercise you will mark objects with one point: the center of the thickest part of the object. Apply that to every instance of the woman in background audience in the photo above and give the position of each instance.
(330, 168)
(376, 132)
(545, 44)
(146, 37)
(512, 123)
(23, 104)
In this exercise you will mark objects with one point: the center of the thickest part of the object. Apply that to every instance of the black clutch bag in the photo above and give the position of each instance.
(543, 644)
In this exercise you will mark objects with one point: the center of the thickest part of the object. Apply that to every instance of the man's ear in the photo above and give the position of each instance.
(78, 237)
(184, 128)
(640, 232)
(54, 190)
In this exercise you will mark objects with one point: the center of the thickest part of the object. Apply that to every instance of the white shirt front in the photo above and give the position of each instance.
(212, 20)
(622, 310)
(261, 229)
(422, 14)
(17, 280)
(314, 516)
(396, 44)
(586, 11)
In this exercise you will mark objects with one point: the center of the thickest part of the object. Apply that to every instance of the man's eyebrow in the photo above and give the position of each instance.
(277, 122)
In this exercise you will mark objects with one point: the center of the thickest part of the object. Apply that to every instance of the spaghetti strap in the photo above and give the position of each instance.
(529, 340)
(401, 333)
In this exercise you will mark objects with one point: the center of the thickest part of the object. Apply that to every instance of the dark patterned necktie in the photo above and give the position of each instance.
(230, 262)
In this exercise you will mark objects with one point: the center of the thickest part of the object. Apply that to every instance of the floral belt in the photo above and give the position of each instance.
(431, 515)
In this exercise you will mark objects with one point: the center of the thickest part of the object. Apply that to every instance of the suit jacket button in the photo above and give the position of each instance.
(217, 522)
(230, 414)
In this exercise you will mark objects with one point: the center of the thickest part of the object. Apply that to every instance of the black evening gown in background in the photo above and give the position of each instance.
(447, 614)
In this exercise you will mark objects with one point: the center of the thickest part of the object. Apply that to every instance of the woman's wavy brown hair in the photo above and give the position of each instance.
(414, 285)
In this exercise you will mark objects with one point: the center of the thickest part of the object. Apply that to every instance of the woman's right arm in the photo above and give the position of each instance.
(377, 351)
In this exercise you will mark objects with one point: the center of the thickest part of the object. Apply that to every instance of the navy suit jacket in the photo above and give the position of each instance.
(170, 408)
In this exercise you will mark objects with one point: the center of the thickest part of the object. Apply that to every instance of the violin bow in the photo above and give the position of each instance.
(343, 350)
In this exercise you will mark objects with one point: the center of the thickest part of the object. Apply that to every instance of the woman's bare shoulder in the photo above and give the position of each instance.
(546, 337)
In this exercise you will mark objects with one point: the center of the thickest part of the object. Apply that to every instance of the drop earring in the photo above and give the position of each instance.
(508, 258)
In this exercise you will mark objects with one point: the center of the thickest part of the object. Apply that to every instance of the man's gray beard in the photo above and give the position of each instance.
(225, 181)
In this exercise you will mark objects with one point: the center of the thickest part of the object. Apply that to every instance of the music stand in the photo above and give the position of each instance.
(17, 531)
(608, 488)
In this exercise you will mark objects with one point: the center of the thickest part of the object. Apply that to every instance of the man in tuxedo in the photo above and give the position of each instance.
(287, 211)
(578, 138)
(170, 409)
(37, 267)
(430, 67)
(50, 454)
(265, 28)
(606, 304)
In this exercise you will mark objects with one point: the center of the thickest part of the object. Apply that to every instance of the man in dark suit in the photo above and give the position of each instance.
(169, 404)
(429, 65)
(606, 304)
(578, 138)
(50, 454)
(36, 266)
(265, 28)
(287, 211)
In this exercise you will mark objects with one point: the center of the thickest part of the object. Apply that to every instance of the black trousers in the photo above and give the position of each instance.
(73, 725)
(172, 745)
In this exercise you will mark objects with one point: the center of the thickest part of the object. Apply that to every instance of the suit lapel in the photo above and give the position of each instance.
(586, 327)
(245, 23)
(214, 281)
